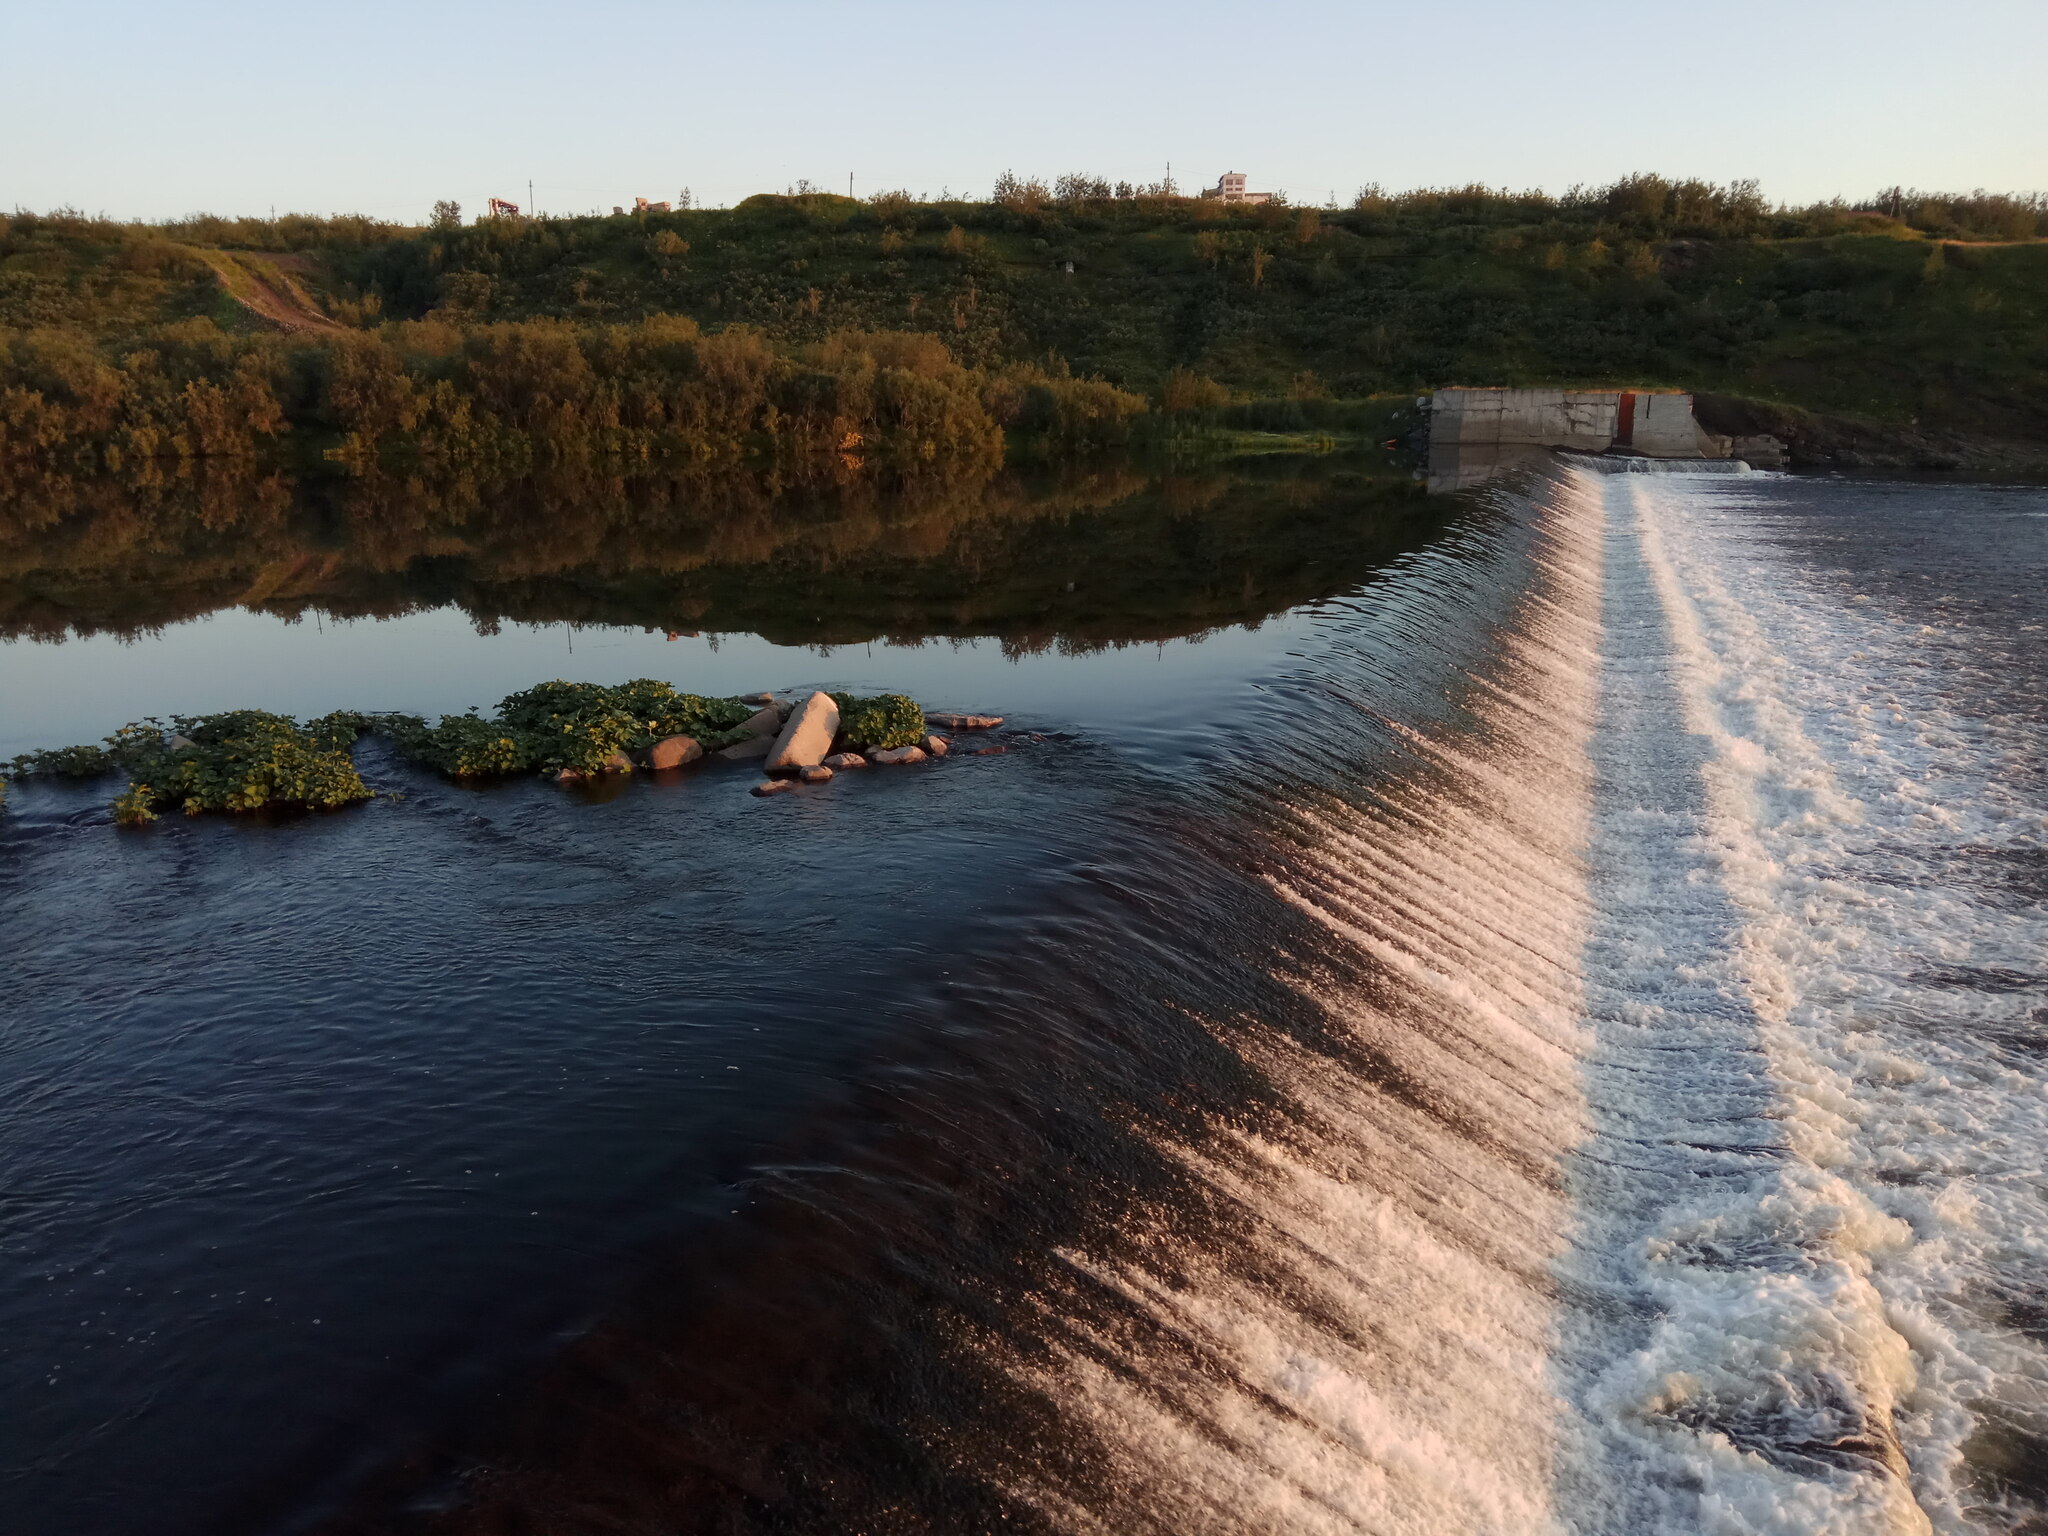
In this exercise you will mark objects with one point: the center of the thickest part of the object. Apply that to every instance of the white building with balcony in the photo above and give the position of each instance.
(1230, 188)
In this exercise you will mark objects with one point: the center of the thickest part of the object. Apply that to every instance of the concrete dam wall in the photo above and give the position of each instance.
(1658, 426)
(1475, 432)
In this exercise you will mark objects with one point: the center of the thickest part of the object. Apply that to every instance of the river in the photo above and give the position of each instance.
(1524, 1016)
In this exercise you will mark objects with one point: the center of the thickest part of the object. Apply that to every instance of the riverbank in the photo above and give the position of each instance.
(1918, 319)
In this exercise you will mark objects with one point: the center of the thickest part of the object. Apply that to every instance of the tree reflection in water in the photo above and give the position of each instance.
(1074, 556)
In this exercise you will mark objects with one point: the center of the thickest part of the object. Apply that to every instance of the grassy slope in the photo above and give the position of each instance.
(1857, 317)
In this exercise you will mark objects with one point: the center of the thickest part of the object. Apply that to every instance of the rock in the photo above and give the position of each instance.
(965, 722)
(845, 760)
(894, 755)
(808, 736)
(740, 751)
(180, 743)
(674, 751)
(568, 776)
(618, 762)
(774, 786)
(935, 746)
(817, 773)
(762, 722)
(1762, 450)
(757, 698)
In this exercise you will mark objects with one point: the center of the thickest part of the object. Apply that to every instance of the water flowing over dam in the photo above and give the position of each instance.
(1671, 1160)
(1551, 1039)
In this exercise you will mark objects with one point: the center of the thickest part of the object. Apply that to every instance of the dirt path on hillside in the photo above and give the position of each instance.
(261, 285)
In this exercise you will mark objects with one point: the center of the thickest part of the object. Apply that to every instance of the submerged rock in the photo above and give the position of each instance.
(965, 722)
(808, 736)
(936, 746)
(674, 751)
(774, 786)
(894, 755)
(817, 773)
(618, 762)
(846, 760)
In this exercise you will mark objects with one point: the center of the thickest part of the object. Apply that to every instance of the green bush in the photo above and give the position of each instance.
(561, 725)
(238, 760)
(85, 762)
(887, 720)
(242, 759)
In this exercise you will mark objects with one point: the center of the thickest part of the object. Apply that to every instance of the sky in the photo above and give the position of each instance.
(154, 110)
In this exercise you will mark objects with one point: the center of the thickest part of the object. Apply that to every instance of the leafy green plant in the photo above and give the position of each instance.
(561, 725)
(237, 760)
(887, 720)
(132, 807)
(243, 759)
(81, 762)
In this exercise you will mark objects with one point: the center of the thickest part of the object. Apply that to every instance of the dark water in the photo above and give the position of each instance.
(1188, 1120)
(320, 1125)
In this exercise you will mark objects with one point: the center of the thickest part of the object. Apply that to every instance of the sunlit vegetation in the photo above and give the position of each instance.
(1061, 308)
(238, 760)
(887, 720)
(249, 760)
(512, 395)
(557, 726)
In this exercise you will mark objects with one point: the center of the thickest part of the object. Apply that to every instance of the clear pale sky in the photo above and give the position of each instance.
(155, 110)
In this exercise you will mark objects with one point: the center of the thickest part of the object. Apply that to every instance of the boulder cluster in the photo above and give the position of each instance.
(808, 746)
(796, 741)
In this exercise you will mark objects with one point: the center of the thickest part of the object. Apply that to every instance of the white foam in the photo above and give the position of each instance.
(1837, 782)
(1372, 1351)
(1648, 1190)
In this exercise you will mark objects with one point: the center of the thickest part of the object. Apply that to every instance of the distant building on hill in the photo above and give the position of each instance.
(1230, 188)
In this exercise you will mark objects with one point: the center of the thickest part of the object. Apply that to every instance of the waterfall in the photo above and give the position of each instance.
(1620, 1195)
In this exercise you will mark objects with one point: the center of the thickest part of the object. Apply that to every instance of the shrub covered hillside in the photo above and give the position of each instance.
(1912, 311)
(509, 396)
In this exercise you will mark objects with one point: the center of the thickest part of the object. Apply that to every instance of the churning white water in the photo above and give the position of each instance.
(1833, 1346)
(1667, 1165)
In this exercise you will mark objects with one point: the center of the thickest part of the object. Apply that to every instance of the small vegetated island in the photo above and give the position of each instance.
(249, 759)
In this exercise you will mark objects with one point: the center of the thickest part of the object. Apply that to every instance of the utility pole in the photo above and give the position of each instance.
(849, 183)
(531, 211)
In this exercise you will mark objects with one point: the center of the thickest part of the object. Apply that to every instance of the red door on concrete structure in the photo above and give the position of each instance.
(1625, 421)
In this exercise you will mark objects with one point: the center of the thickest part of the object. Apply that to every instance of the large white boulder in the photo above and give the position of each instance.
(808, 736)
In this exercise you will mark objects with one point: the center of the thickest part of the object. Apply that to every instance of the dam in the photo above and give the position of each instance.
(1475, 432)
